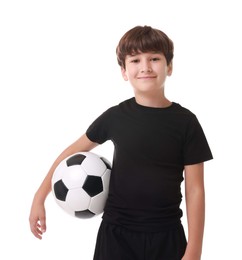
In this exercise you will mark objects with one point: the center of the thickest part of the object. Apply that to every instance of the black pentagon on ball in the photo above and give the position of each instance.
(60, 190)
(93, 185)
(76, 159)
(84, 214)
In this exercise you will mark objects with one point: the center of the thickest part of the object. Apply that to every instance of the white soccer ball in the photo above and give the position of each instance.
(80, 184)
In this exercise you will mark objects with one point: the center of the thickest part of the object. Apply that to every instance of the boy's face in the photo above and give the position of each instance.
(146, 71)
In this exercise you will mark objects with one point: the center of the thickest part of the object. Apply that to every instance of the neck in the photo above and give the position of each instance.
(154, 101)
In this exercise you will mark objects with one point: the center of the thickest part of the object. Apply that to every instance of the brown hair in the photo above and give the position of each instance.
(144, 39)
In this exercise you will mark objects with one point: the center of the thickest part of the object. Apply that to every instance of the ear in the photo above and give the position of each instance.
(123, 71)
(169, 69)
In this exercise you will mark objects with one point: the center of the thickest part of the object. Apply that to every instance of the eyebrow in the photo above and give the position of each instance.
(138, 53)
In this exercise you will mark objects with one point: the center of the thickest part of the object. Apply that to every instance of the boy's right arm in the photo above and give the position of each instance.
(37, 217)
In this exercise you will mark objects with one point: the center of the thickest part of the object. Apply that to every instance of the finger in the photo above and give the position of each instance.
(42, 224)
(35, 228)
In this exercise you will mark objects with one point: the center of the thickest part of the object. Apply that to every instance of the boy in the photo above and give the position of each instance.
(155, 141)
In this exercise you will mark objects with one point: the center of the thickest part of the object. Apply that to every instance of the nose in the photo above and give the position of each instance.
(145, 67)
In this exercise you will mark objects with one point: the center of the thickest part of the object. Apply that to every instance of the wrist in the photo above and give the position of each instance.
(191, 255)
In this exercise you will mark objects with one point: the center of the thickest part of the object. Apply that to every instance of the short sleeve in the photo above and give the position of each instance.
(196, 147)
(99, 129)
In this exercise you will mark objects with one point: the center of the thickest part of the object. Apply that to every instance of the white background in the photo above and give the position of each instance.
(58, 72)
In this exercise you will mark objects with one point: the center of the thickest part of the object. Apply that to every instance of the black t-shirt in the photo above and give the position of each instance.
(151, 148)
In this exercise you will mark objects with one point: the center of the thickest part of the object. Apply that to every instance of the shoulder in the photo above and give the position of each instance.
(122, 105)
(127, 103)
(115, 109)
(181, 109)
(184, 113)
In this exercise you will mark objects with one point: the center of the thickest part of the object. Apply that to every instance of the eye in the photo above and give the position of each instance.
(134, 61)
(155, 59)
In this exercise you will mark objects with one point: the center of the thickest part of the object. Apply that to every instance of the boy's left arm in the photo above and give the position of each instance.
(195, 205)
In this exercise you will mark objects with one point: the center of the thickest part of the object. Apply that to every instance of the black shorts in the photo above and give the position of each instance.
(118, 243)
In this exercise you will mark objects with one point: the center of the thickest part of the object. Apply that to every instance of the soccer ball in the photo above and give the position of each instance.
(80, 184)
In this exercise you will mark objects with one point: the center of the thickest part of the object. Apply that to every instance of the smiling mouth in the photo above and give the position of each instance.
(148, 77)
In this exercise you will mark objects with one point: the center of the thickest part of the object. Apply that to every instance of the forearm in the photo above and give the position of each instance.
(82, 144)
(37, 217)
(44, 189)
(195, 205)
(196, 217)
